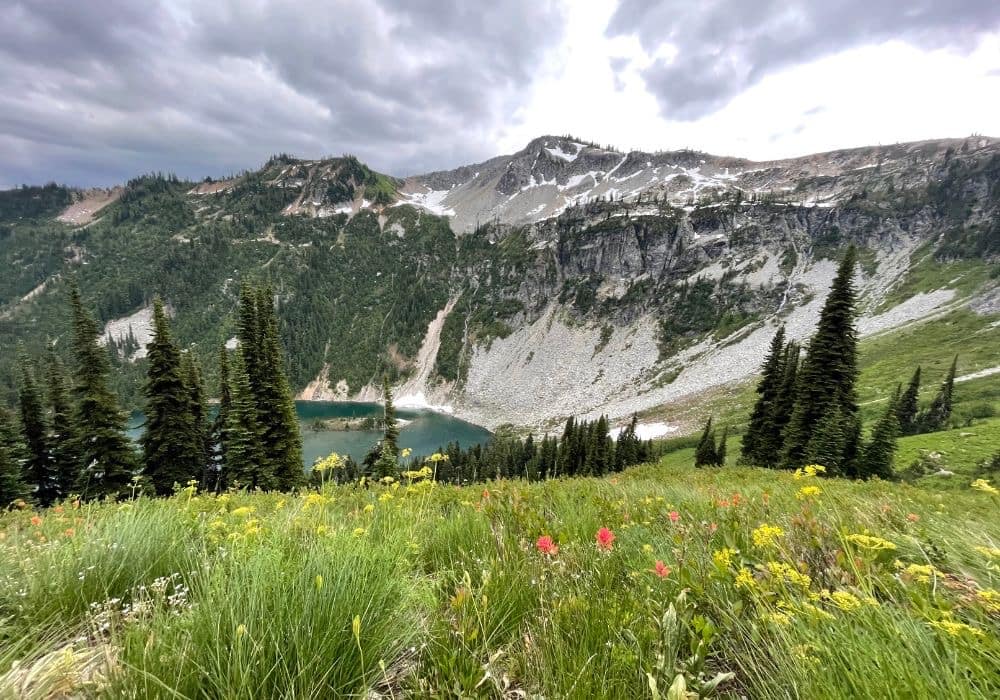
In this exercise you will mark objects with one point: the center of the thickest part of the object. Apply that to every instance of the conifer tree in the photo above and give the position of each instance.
(39, 471)
(249, 336)
(938, 414)
(215, 479)
(720, 451)
(907, 408)
(784, 404)
(705, 454)
(387, 464)
(828, 441)
(282, 439)
(826, 385)
(169, 453)
(757, 440)
(107, 457)
(63, 434)
(12, 486)
(194, 388)
(566, 447)
(244, 449)
(877, 456)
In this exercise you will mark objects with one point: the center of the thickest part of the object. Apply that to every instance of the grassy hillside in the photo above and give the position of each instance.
(796, 587)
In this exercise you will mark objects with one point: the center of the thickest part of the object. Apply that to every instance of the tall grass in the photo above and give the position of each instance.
(434, 591)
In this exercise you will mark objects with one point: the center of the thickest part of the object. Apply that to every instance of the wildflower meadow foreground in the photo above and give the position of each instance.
(659, 582)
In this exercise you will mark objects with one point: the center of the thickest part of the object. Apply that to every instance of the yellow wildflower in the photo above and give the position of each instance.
(870, 542)
(333, 461)
(809, 471)
(845, 601)
(807, 492)
(319, 581)
(359, 531)
(723, 558)
(778, 618)
(385, 497)
(369, 508)
(804, 653)
(766, 535)
(788, 574)
(957, 629)
(989, 552)
(406, 452)
(985, 486)
(242, 512)
(322, 530)
(745, 579)
(241, 630)
(921, 573)
(315, 500)
(990, 599)
(818, 614)
(647, 548)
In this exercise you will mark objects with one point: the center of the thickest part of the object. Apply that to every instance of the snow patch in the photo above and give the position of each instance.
(419, 400)
(646, 431)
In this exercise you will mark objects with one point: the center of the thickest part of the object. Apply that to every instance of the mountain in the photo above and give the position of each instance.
(565, 278)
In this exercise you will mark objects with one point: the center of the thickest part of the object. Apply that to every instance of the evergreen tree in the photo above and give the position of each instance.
(244, 449)
(282, 439)
(168, 443)
(906, 410)
(826, 385)
(12, 486)
(761, 429)
(249, 336)
(215, 479)
(194, 388)
(720, 451)
(63, 433)
(828, 442)
(705, 454)
(39, 471)
(784, 404)
(877, 457)
(387, 464)
(627, 446)
(566, 448)
(107, 457)
(938, 414)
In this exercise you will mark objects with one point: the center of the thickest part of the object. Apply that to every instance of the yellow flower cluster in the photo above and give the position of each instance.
(989, 552)
(921, 573)
(844, 600)
(745, 579)
(778, 618)
(985, 486)
(332, 461)
(723, 558)
(957, 629)
(809, 471)
(315, 500)
(808, 492)
(788, 574)
(990, 599)
(870, 542)
(766, 535)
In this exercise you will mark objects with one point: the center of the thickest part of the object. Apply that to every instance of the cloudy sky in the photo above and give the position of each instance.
(94, 92)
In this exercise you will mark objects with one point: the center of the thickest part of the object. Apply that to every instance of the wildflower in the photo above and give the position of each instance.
(241, 630)
(985, 486)
(712, 527)
(605, 539)
(319, 582)
(745, 579)
(766, 535)
(989, 552)
(921, 573)
(778, 618)
(808, 492)
(406, 452)
(674, 516)
(870, 542)
(313, 500)
(359, 531)
(242, 512)
(805, 653)
(322, 530)
(957, 629)
(660, 569)
(647, 548)
(912, 517)
(69, 532)
(546, 545)
(723, 558)
(788, 574)
(990, 599)
(36, 521)
(369, 508)
(809, 471)
(845, 601)
(386, 496)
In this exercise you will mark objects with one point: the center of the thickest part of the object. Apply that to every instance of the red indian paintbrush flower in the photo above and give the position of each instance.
(605, 539)
(547, 546)
(674, 516)
(661, 569)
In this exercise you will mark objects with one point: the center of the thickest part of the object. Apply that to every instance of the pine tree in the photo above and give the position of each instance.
(282, 439)
(249, 336)
(244, 448)
(194, 388)
(387, 464)
(566, 445)
(215, 479)
(784, 404)
(39, 471)
(107, 456)
(828, 374)
(704, 454)
(877, 456)
(720, 451)
(12, 486)
(63, 434)
(938, 414)
(827, 444)
(906, 410)
(168, 443)
(761, 429)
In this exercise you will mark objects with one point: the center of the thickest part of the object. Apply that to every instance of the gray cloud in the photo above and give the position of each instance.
(725, 46)
(93, 93)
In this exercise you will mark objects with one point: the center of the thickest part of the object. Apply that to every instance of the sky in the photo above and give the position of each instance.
(93, 93)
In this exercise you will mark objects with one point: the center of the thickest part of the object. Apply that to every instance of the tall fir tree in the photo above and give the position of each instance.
(878, 453)
(12, 486)
(107, 457)
(168, 441)
(215, 478)
(194, 388)
(937, 415)
(39, 471)
(828, 441)
(249, 336)
(566, 448)
(704, 454)
(784, 404)
(244, 450)
(757, 440)
(828, 375)
(282, 439)
(907, 408)
(387, 463)
(720, 451)
(63, 434)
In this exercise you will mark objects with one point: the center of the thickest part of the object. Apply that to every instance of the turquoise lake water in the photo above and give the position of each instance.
(424, 432)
